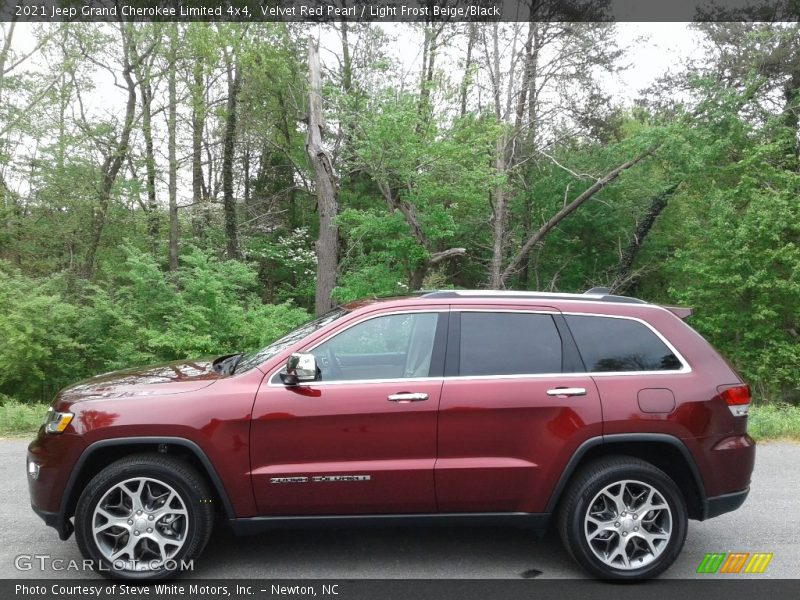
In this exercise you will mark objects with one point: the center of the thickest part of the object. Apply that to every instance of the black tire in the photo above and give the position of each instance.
(177, 474)
(585, 487)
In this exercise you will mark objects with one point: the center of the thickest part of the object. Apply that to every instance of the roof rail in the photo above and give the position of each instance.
(594, 294)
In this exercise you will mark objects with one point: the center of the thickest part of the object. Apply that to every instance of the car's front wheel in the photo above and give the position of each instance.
(623, 518)
(144, 517)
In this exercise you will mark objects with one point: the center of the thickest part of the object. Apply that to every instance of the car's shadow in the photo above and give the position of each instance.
(391, 552)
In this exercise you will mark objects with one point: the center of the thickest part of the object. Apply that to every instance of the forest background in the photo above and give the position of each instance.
(176, 190)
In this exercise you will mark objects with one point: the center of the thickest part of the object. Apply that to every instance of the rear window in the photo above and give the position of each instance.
(508, 344)
(610, 344)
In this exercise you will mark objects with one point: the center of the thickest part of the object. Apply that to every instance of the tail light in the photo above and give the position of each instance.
(737, 398)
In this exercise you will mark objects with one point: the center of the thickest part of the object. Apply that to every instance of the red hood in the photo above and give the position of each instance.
(170, 378)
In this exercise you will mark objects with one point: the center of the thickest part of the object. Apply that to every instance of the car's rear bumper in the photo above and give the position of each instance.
(725, 464)
(719, 505)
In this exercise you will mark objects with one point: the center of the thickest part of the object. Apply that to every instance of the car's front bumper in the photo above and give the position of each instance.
(55, 520)
(54, 457)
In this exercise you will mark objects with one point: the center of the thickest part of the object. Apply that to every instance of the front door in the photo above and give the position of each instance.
(362, 439)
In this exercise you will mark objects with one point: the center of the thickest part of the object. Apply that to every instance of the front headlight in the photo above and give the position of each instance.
(56, 422)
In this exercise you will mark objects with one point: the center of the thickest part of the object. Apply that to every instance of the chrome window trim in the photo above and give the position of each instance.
(685, 367)
(563, 375)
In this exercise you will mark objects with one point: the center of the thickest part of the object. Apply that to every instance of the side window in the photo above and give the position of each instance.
(609, 344)
(508, 344)
(388, 347)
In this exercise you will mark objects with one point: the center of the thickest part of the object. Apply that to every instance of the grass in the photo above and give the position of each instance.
(769, 422)
(17, 419)
(774, 422)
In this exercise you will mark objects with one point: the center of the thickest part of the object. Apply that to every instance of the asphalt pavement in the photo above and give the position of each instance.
(768, 522)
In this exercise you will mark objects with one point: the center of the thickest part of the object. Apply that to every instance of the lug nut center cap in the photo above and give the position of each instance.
(626, 525)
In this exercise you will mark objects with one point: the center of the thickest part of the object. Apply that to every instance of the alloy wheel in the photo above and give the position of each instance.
(628, 524)
(140, 524)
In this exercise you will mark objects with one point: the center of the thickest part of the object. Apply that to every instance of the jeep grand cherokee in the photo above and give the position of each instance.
(606, 416)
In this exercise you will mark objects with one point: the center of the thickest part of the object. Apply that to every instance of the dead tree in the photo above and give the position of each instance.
(327, 245)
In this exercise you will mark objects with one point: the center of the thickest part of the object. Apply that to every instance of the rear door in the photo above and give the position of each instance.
(638, 374)
(515, 405)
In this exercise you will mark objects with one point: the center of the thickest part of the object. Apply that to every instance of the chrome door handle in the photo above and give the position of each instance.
(565, 391)
(404, 397)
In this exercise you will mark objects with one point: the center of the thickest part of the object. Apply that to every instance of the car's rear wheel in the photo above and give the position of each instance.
(623, 518)
(144, 517)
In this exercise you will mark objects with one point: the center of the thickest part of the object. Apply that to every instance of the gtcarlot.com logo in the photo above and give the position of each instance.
(44, 562)
(734, 562)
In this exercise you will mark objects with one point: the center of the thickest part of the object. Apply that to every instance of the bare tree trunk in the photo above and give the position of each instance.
(791, 112)
(472, 34)
(328, 238)
(228, 150)
(528, 74)
(199, 193)
(532, 49)
(347, 62)
(540, 233)
(498, 217)
(498, 199)
(8, 201)
(430, 48)
(150, 163)
(525, 265)
(5, 50)
(113, 161)
(172, 121)
(142, 67)
(624, 279)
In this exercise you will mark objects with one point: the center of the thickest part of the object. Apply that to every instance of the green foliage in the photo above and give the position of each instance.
(288, 264)
(726, 244)
(38, 329)
(20, 419)
(442, 174)
(57, 330)
(774, 422)
(742, 272)
(732, 238)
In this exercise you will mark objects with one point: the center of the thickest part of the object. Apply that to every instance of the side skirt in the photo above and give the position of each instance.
(253, 525)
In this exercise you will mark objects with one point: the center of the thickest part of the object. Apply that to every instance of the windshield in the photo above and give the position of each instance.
(253, 359)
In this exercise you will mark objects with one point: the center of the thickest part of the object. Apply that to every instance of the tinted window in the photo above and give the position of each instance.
(388, 347)
(608, 344)
(508, 344)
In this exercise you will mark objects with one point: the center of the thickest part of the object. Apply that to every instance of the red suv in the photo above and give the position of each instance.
(605, 415)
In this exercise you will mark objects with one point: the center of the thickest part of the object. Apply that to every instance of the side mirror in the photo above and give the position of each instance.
(300, 368)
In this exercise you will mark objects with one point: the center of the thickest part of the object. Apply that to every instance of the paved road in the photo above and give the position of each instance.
(768, 522)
